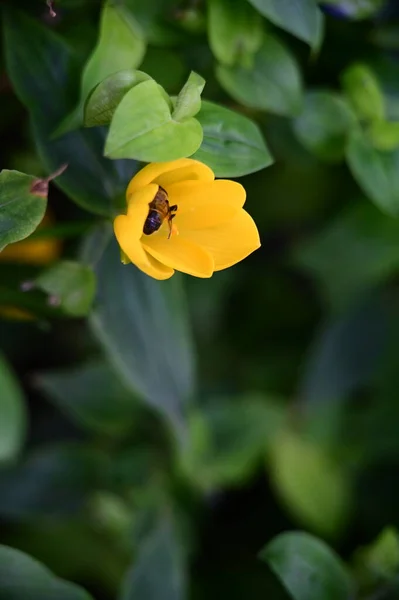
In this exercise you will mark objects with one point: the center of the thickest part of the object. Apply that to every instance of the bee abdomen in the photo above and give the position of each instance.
(152, 223)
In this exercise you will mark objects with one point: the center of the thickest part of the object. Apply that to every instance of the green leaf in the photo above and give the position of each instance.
(228, 438)
(152, 16)
(158, 572)
(143, 128)
(272, 84)
(308, 568)
(120, 46)
(54, 481)
(233, 145)
(310, 483)
(302, 18)
(13, 415)
(353, 254)
(384, 135)
(376, 172)
(380, 560)
(235, 32)
(105, 97)
(22, 207)
(40, 73)
(54, 542)
(324, 125)
(188, 102)
(364, 92)
(23, 577)
(71, 285)
(92, 395)
(142, 325)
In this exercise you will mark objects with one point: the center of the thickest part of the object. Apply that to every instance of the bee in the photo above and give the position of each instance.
(159, 210)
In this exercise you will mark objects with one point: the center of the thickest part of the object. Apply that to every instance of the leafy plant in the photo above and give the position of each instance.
(229, 431)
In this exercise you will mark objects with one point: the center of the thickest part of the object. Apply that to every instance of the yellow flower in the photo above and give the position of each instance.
(204, 227)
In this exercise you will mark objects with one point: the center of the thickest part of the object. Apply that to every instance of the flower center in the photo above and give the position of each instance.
(159, 209)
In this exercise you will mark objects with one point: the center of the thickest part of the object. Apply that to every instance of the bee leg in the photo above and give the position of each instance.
(173, 208)
(170, 219)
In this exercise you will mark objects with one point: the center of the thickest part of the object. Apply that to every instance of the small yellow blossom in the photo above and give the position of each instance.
(205, 230)
(12, 313)
(37, 251)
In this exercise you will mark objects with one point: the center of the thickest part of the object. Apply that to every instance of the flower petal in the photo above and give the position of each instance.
(156, 269)
(190, 169)
(195, 171)
(231, 242)
(180, 254)
(205, 204)
(129, 229)
(134, 250)
(138, 208)
(40, 251)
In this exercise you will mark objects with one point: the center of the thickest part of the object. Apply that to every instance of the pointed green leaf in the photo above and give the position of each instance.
(90, 180)
(132, 306)
(22, 206)
(364, 92)
(233, 145)
(308, 568)
(384, 135)
(120, 46)
(105, 97)
(71, 285)
(188, 102)
(302, 18)
(158, 572)
(235, 32)
(324, 125)
(13, 414)
(23, 577)
(143, 128)
(272, 84)
(376, 172)
(307, 478)
(380, 560)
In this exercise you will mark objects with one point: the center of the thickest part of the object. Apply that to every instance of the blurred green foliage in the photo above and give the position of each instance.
(235, 437)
